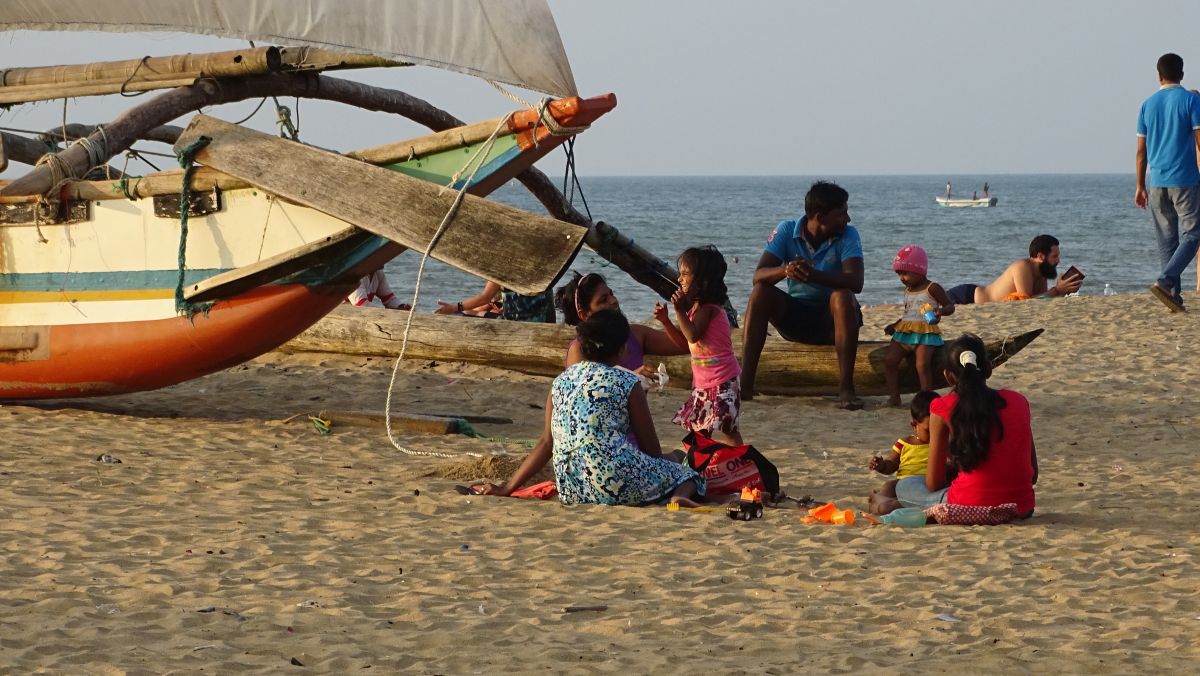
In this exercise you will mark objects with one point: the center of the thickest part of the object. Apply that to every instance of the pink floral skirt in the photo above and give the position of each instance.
(712, 409)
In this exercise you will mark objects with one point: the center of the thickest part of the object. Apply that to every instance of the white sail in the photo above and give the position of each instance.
(510, 41)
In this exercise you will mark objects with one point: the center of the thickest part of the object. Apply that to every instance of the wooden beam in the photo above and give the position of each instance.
(519, 250)
(539, 349)
(269, 269)
(20, 85)
(251, 61)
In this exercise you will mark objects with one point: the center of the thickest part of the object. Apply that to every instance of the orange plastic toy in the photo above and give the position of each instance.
(829, 513)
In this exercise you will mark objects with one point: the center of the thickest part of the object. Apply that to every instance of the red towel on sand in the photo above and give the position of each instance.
(542, 491)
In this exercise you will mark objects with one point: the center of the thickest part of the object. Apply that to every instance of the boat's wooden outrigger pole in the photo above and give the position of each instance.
(21, 85)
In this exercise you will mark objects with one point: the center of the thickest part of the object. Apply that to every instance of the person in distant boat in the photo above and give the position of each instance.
(375, 286)
(985, 189)
(496, 301)
(947, 189)
(820, 255)
(975, 194)
(588, 294)
(1024, 279)
(1168, 129)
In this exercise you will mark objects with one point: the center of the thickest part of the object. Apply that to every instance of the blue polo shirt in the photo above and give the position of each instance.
(787, 243)
(1168, 120)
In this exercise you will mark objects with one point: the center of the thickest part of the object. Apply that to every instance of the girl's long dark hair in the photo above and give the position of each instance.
(977, 413)
(708, 273)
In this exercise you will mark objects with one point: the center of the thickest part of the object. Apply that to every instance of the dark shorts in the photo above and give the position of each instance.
(963, 294)
(807, 323)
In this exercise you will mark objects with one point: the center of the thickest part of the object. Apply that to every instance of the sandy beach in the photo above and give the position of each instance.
(230, 538)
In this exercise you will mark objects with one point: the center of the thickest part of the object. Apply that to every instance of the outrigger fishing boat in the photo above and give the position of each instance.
(111, 283)
(784, 368)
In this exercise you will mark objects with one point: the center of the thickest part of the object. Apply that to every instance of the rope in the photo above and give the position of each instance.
(466, 429)
(283, 118)
(97, 150)
(253, 112)
(569, 170)
(446, 220)
(130, 79)
(186, 160)
(544, 118)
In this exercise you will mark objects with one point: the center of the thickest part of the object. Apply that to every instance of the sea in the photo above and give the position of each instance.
(1101, 231)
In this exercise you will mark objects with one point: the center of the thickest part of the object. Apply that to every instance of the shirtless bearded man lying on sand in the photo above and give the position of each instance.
(1024, 279)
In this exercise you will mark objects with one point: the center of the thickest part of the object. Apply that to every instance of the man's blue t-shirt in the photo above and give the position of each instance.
(787, 243)
(1168, 120)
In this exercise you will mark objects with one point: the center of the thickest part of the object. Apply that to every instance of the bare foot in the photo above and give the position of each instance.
(852, 404)
(684, 502)
(878, 503)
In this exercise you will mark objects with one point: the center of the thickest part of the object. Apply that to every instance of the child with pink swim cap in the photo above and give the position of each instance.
(917, 331)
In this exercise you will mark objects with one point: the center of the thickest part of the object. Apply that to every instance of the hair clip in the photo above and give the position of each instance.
(967, 357)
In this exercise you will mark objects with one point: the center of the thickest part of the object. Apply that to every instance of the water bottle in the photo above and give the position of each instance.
(1108, 290)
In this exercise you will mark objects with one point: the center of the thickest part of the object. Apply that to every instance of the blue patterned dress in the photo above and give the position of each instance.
(596, 460)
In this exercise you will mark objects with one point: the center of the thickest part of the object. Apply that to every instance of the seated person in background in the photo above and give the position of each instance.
(909, 455)
(1024, 279)
(584, 296)
(372, 286)
(821, 257)
(512, 305)
(983, 433)
(599, 434)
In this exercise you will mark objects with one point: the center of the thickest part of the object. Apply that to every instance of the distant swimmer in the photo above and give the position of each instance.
(1024, 279)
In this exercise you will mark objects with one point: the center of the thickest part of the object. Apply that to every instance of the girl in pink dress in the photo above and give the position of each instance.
(716, 402)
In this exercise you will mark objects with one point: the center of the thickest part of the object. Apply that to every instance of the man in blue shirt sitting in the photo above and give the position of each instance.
(1168, 131)
(821, 258)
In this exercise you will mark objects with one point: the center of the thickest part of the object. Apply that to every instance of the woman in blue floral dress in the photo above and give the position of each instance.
(598, 431)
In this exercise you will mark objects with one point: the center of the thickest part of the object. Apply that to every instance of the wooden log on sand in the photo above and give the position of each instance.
(539, 349)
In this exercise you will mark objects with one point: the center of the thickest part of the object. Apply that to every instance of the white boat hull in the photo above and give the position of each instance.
(981, 202)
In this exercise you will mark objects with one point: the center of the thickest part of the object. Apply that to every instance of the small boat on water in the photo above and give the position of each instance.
(965, 202)
(784, 367)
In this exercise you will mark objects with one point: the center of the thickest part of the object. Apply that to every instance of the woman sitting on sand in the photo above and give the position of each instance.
(583, 296)
(599, 433)
(984, 433)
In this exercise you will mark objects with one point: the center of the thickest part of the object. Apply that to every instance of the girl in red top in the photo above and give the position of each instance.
(983, 434)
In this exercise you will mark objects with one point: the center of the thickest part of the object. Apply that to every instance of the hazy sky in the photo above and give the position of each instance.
(781, 87)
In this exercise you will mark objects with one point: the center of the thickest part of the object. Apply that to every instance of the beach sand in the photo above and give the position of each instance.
(230, 539)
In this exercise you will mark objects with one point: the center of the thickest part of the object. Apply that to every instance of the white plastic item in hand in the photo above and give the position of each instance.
(663, 378)
(646, 382)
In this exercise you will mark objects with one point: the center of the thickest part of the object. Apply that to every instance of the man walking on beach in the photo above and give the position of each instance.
(1168, 131)
(1023, 279)
(820, 256)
